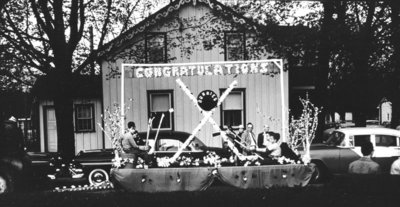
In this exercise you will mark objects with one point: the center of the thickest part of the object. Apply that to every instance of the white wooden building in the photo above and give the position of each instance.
(190, 32)
(87, 110)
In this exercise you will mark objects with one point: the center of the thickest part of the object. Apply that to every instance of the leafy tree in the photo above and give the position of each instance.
(41, 37)
(355, 48)
(394, 87)
(3, 3)
(358, 57)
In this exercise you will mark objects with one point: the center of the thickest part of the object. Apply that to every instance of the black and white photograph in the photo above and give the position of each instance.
(199, 103)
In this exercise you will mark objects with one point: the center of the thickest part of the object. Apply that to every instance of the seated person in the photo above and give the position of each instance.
(272, 146)
(335, 139)
(241, 130)
(230, 135)
(131, 149)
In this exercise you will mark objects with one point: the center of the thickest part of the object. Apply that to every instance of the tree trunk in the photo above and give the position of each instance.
(63, 102)
(360, 48)
(323, 69)
(65, 129)
(360, 96)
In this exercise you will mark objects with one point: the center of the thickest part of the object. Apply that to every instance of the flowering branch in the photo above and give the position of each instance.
(302, 130)
(112, 126)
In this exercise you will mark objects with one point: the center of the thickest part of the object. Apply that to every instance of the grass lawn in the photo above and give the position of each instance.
(346, 190)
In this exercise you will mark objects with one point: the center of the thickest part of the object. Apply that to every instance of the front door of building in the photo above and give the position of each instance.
(51, 129)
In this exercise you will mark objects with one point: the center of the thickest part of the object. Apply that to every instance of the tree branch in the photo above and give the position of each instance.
(30, 50)
(14, 77)
(76, 34)
(20, 41)
(28, 62)
(73, 24)
(370, 15)
(3, 4)
(107, 20)
(59, 28)
(124, 27)
(48, 29)
(92, 57)
(357, 13)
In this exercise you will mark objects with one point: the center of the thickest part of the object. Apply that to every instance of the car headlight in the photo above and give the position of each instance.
(77, 170)
(52, 177)
(77, 176)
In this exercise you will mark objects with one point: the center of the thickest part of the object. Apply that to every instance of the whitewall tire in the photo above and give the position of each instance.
(6, 184)
(98, 177)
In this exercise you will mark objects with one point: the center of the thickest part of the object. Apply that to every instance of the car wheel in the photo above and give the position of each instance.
(98, 177)
(6, 183)
(320, 172)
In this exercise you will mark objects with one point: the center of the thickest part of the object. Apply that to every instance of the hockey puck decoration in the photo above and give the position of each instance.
(207, 100)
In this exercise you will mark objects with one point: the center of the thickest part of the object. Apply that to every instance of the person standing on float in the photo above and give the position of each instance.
(248, 140)
(264, 137)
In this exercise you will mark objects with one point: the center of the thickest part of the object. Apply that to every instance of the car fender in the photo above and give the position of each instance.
(330, 158)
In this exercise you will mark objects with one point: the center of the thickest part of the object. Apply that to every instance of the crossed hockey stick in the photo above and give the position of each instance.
(207, 117)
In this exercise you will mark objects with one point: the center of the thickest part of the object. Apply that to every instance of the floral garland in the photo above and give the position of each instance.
(121, 162)
(212, 159)
(104, 186)
(284, 160)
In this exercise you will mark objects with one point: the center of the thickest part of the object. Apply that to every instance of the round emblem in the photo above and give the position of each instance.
(207, 100)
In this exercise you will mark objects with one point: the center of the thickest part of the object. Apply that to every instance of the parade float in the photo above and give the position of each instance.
(185, 173)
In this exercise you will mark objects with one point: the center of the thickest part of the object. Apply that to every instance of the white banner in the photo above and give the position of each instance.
(201, 69)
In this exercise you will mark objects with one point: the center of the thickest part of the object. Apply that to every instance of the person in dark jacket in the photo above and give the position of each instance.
(264, 136)
(12, 140)
(249, 140)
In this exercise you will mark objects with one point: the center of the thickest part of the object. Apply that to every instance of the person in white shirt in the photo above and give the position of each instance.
(395, 168)
(272, 146)
(365, 165)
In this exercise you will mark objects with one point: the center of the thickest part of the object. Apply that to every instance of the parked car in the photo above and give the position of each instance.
(344, 146)
(18, 171)
(43, 163)
(96, 164)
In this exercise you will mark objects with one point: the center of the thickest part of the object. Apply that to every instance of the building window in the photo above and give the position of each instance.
(84, 118)
(233, 108)
(234, 46)
(156, 47)
(159, 103)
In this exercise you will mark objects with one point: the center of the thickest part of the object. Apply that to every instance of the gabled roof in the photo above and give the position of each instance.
(163, 14)
(83, 86)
